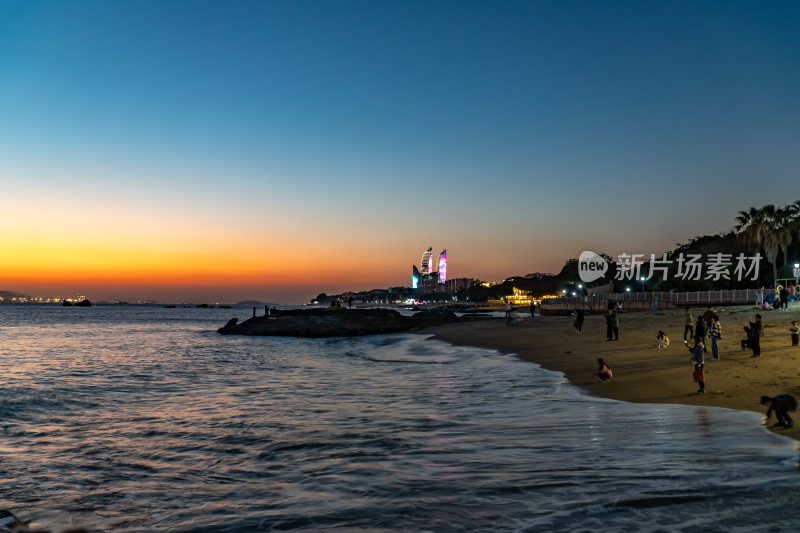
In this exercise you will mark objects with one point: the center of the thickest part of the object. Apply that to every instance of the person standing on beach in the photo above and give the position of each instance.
(755, 330)
(785, 298)
(700, 378)
(696, 351)
(715, 332)
(615, 324)
(579, 318)
(708, 316)
(533, 308)
(689, 325)
(795, 332)
(609, 316)
(700, 332)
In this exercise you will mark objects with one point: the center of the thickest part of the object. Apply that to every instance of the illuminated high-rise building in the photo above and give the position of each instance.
(415, 277)
(426, 260)
(431, 277)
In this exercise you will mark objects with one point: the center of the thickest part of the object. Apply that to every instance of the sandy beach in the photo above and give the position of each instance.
(644, 373)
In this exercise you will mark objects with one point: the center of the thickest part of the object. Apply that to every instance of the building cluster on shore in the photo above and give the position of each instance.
(9, 297)
(431, 283)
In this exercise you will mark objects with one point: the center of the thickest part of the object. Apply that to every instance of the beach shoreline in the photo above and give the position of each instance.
(644, 373)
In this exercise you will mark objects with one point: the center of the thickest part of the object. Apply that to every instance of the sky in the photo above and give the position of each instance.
(221, 151)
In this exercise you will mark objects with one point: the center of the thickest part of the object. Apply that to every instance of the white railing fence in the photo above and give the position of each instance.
(742, 296)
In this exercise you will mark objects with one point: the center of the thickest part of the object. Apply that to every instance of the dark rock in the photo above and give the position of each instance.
(336, 322)
(83, 303)
(435, 317)
(228, 326)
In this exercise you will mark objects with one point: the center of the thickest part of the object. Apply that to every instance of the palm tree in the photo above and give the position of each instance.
(759, 229)
(794, 223)
(745, 218)
(784, 219)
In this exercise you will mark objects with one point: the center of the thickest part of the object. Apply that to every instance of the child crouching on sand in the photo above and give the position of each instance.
(700, 378)
(663, 340)
(781, 404)
(603, 371)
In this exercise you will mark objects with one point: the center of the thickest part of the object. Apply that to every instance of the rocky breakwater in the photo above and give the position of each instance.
(332, 322)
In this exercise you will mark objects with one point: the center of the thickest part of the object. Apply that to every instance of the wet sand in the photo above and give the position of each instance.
(644, 373)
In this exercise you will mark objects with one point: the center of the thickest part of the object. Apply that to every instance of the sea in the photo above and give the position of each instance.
(143, 419)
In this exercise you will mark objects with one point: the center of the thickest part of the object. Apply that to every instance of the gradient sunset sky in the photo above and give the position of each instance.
(219, 151)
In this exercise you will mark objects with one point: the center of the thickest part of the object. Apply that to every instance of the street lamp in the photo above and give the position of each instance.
(796, 273)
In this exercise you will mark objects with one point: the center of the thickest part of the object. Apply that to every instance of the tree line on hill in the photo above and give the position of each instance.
(771, 231)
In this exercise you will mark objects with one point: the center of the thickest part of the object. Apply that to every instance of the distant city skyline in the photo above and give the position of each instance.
(207, 151)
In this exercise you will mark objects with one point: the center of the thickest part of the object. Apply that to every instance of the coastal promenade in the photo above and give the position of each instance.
(644, 301)
(644, 373)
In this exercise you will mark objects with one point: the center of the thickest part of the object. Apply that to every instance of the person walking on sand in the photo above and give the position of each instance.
(533, 308)
(795, 332)
(688, 327)
(781, 404)
(715, 332)
(700, 378)
(603, 371)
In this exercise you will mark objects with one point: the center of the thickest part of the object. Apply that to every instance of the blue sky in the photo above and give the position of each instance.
(525, 130)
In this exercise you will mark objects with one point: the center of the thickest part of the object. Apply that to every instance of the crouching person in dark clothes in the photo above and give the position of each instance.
(781, 404)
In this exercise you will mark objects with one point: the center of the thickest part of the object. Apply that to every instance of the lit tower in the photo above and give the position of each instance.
(426, 260)
(443, 266)
(415, 277)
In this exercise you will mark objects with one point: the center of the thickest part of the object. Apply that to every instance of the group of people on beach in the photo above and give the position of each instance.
(707, 329)
(781, 300)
